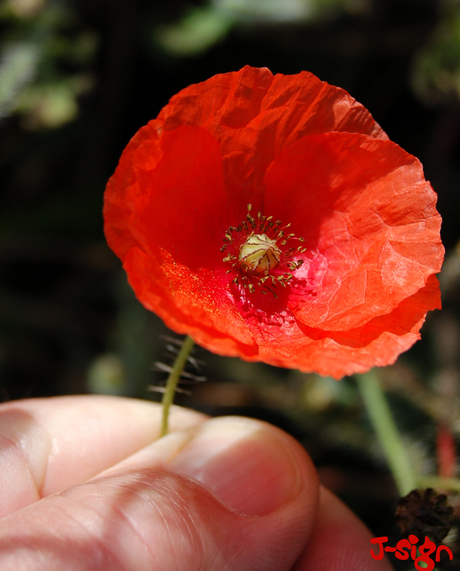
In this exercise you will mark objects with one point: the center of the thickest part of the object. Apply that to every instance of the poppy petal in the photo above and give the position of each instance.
(365, 206)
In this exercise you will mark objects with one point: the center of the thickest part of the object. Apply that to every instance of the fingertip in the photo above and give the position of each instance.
(264, 485)
(250, 465)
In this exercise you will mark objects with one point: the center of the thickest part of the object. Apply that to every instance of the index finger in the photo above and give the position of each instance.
(49, 444)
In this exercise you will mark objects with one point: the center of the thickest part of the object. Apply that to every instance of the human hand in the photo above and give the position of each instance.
(215, 494)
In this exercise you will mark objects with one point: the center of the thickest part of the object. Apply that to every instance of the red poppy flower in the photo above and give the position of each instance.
(270, 218)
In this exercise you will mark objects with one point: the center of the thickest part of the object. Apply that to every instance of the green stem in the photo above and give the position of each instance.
(382, 420)
(452, 484)
(173, 379)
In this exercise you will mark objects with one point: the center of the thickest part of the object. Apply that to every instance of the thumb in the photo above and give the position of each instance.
(230, 494)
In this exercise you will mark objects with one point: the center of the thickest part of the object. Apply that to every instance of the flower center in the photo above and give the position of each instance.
(259, 252)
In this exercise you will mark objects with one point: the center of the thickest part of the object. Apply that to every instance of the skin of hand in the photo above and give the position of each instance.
(87, 484)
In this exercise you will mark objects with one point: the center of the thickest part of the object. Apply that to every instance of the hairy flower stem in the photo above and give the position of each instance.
(173, 379)
(382, 420)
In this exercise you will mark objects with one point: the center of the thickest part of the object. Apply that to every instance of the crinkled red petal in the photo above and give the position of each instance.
(364, 206)
(255, 115)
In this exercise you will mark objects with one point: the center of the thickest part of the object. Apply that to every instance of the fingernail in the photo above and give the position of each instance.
(251, 466)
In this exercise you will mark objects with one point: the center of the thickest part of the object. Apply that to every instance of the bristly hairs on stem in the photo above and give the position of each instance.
(180, 349)
(172, 348)
(171, 351)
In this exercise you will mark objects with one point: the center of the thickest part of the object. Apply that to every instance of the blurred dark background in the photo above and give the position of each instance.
(79, 77)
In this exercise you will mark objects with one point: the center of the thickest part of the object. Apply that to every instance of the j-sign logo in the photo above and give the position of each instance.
(408, 547)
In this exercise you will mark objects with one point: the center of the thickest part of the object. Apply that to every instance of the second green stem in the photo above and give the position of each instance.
(382, 420)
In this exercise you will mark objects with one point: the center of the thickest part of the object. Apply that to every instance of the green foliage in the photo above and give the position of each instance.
(43, 67)
(436, 72)
(201, 28)
(17, 69)
(198, 30)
